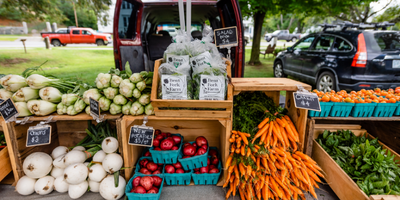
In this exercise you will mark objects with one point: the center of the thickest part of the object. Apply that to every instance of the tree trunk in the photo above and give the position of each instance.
(255, 49)
(290, 23)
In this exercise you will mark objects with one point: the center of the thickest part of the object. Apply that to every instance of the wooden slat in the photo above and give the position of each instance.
(266, 84)
(78, 117)
(12, 151)
(337, 126)
(192, 113)
(384, 197)
(298, 117)
(5, 164)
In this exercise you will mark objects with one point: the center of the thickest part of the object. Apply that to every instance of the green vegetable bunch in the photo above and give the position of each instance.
(2, 139)
(365, 161)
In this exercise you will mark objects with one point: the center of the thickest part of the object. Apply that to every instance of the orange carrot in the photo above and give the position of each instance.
(229, 160)
(280, 122)
(244, 138)
(260, 132)
(258, 163)
(236, 171)
(242, 151)
(262, 124)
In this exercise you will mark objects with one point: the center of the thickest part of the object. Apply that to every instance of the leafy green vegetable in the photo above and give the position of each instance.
(365, 161)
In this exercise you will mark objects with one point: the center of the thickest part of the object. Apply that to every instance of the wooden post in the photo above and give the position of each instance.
(23, 42)
(47, 42)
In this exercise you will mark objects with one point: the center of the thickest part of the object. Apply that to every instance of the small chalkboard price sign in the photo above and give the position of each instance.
(1, 101)
(8, 109)
(38, 135)
(307, 101)
(225, 37)
(141, 136)
(94, 108)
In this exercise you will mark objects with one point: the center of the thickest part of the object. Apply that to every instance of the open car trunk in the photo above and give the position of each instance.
(144, 29)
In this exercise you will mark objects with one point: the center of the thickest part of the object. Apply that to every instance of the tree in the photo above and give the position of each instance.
(48, 9)
(86, 17)
(258, 9)
(392, 14)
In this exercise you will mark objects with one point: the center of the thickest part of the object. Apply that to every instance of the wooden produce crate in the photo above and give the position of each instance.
(5, 163)
(216, 130)
(272, 88)
(66, 131)
(192, 108)
(344, 187)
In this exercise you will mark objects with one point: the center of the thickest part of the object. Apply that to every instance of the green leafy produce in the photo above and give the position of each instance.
(2, 139)
(365, 161)
(250, 108)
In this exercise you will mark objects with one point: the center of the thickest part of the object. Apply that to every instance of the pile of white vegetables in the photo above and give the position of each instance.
(116, 92)
(67, 171)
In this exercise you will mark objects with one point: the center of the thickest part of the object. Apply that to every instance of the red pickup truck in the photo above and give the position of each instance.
(77, 36)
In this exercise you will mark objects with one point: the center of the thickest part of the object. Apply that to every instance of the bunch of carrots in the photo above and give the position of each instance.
(268, 165)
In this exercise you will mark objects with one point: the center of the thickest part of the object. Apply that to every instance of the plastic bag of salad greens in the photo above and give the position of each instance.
(210, 80)
(174, 82)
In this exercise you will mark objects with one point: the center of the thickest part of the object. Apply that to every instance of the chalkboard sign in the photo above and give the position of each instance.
(8, 109)
(37, 136)
(307, 101)
(141, 136)
(94, 108)
(225, 37)
(1, 101)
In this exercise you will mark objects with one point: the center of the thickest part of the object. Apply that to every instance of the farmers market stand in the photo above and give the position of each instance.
(214, 125)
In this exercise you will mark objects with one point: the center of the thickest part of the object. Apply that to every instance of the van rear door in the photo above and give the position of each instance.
(127, 38)
(231, 16)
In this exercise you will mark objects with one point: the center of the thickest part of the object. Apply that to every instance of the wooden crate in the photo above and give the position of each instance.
(344, 187)
(66, 131)
(225, 106)
(272, 88)
(5, 163)
(216, 130)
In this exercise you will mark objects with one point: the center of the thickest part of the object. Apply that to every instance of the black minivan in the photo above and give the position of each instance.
(347, 59)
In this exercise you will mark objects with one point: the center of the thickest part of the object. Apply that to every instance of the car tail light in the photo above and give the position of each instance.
(360, 59)
(362, 85)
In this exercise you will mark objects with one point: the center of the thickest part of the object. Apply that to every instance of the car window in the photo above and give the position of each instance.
(304, 44)
(323, 43)
(75, 32)
(388, 41)
(62, 31)
(127, 20)
(341, 45)
(86, 32)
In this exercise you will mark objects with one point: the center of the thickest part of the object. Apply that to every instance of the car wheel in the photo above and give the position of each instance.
(278, 70)
(326, 82)
(100, 43)
(64, 45)
(56, 43)
(294, 39)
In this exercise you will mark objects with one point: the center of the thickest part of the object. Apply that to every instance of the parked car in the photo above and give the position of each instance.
(246, 40)
(135, 30)
(345, 59)
(282, 35)
(77, 36)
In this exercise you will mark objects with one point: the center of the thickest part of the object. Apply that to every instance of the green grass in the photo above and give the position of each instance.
(9, 37)
(63, 63)
(263, 70)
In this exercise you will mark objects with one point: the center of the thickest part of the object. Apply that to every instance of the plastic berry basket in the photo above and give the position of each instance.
(144, 151)
(363, 109)
(166, 157)
(178, 179)
(385, 109)
(341, 109)
(325, 110)
(207, 178)
(137, 196)
(397, 112)
(195, 161)
(138, 167)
